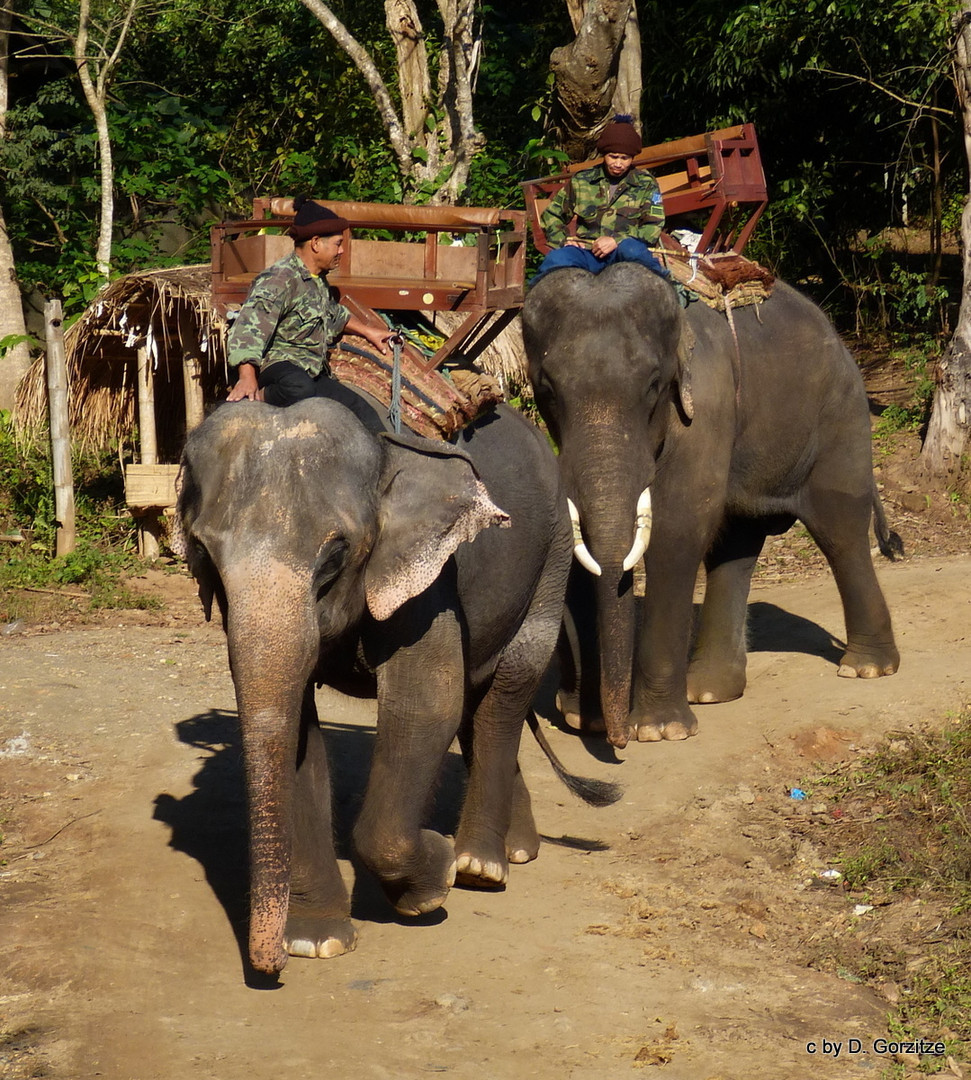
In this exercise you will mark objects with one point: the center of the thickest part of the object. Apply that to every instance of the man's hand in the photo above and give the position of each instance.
(603, 246)
(379, 339)
(246, 387)
(377, 336)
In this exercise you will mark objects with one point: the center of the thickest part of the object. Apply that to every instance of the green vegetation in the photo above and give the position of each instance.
(92, 573)
(904, 839)
(915, 355)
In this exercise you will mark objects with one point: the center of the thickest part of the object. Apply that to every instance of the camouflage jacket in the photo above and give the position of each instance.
(635, 210)
(289, 314)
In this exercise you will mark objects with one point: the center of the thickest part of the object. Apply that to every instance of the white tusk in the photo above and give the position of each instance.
(580, 550)
(642, 530)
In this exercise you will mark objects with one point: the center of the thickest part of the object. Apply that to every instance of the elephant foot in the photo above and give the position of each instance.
(522, 839)
(315, 935)
(672, 725)
(568, 703)
(481, 872)
(708, 684)
(425, 889)
(868, 662)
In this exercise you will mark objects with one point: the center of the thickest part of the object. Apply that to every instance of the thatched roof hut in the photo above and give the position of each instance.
(167, 315)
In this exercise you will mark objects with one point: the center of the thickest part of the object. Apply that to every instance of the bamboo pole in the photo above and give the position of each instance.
(191, 369)
(60, 428)
(148, 523)
(147, 441)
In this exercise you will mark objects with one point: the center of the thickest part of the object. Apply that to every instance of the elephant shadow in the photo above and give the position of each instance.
(773, 629)
(209, 823)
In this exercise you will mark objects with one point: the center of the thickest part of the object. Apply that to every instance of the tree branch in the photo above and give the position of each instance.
(365, 65)
(867, 81)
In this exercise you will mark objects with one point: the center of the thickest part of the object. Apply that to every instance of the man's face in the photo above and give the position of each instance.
(617, 164)
(326, 251)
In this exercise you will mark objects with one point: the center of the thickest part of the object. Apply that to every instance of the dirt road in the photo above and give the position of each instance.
(668, 932)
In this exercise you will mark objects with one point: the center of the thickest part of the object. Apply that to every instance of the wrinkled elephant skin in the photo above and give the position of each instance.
(341, 558)
(736, 430)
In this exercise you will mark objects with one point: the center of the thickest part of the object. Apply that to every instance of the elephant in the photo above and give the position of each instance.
(687, 437)
(342, 557)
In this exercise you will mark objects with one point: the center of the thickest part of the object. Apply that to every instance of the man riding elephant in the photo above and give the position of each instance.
(280, 338)
(618, 210)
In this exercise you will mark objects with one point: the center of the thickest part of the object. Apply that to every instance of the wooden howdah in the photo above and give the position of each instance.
(713, 182)
(410, 258)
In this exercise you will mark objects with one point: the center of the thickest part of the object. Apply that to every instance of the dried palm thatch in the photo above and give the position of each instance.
(504, 357)
(169, 313)
(166, 312)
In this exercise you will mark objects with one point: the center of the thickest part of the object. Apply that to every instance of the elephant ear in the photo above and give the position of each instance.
(185, 545)
(431, 501)
(686, 344)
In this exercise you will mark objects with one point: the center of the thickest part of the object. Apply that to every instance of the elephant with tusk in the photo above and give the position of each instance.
(686, 439)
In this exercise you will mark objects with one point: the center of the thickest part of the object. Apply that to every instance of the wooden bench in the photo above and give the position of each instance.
(718, 174)
(427, 265)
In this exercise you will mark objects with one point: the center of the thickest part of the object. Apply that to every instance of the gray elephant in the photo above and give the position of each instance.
(685, 438)
(339, 557)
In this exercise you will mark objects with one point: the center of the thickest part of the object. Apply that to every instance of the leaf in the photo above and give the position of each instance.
(11, 341)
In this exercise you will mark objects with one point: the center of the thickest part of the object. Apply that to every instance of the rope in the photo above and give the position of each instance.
(394, 409)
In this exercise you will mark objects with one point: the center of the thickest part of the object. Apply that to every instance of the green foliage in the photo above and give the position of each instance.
(906, 829)
(105, 531)
(922, 783)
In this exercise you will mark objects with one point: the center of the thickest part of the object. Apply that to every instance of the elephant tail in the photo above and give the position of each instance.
(889, 542)
(594, 792)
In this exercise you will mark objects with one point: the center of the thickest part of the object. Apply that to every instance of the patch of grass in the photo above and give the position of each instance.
(106, 544)
(903, 843)
(916, 358)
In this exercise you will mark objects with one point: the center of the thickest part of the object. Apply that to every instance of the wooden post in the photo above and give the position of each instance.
(191, 369)
(148, 526)
(60, 427)
(147, 442)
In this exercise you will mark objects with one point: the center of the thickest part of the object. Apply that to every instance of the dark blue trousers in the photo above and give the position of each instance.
(629, 250)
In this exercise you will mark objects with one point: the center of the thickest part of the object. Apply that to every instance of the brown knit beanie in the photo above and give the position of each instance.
(620, 137)
(312, 219)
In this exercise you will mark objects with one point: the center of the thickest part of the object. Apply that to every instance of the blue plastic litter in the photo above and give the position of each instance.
(796, 793)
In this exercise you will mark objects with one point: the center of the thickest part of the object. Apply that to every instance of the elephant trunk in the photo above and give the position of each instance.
(615, 633)
(272, 639)
(613, 526)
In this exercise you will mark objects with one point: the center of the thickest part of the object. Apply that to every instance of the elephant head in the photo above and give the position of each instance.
(303, 525)
(609, 363)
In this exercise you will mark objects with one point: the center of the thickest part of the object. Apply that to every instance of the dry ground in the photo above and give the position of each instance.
(672, 932)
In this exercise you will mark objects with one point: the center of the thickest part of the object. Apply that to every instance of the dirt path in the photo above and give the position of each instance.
(668, 931)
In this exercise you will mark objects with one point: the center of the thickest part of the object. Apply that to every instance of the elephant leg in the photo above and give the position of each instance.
(497, 825)
(489, 832)
(716, 671)
(318, 921)
(420, 701)
(660, 701)
(578, 697)
(840, 525)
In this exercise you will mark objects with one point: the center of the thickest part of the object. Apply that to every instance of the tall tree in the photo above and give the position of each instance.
(433, 135)
(93, 33)
(14, 357)
(96, 62)
(586, 73)
(950, 424)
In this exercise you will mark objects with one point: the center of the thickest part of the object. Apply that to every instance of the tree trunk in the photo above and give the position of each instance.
(434, 138)
(586, 74)
(96, 94)
(950, 424)
(627, 93)
(15, 359)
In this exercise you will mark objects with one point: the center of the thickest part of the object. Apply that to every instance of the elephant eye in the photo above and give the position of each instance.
(330, 562)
